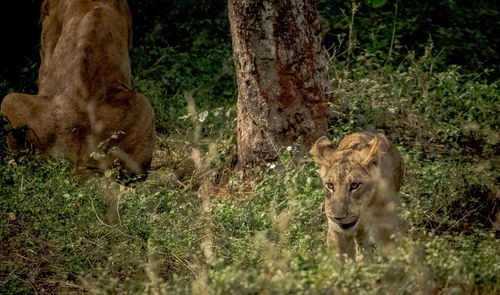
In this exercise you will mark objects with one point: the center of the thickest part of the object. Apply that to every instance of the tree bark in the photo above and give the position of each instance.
(282, 73)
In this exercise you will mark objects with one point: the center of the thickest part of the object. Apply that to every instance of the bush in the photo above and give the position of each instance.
(465, 31)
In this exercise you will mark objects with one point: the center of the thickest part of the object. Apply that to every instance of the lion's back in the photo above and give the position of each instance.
(84, 47)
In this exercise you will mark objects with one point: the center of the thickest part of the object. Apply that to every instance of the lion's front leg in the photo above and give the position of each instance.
(34, 112)
(343, 244)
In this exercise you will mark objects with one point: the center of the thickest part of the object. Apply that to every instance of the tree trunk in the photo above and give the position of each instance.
(282, 73)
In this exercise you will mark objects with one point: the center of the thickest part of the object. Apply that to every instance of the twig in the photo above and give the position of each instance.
(350, 45)
(393, 30)
(74, 286)
(182, 184)
(107, 225)
(204, 174)
(186, 264)
(465, 216)
(97, 215)
(31, 285)
(118, 209)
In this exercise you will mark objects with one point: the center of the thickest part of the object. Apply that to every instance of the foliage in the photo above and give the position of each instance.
(183, 51)
(376, 3)
(180, 23)
(164, 75)
(273, 242)
(466, 31)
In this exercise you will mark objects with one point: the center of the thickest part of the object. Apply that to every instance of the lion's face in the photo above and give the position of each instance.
(348, 186)
(348, 178)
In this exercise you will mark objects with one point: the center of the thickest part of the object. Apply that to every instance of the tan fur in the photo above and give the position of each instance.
(361, 180)
(84, 89)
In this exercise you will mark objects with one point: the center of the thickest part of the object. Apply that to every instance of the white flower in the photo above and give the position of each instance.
(288, 148)
(272, 166)
(202, 116)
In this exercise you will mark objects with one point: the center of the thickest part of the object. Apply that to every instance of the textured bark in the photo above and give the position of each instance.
(282, 73)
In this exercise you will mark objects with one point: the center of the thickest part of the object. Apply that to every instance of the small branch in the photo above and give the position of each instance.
(350, 45)
(97, 215)
(118, 209)
(393, 30)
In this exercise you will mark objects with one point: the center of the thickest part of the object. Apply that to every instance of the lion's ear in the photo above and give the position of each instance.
(373, 154)
(322, 151)
(44, 11)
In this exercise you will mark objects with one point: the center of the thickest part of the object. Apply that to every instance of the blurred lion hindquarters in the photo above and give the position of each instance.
(86, 108)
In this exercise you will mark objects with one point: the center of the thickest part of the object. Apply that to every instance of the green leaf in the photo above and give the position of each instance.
(376, 3)
(108, 173)
(97, 155)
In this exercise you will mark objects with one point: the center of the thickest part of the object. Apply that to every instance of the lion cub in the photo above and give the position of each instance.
(361, 179)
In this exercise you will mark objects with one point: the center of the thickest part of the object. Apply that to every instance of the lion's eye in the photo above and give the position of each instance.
(354, 186)
(330, 186)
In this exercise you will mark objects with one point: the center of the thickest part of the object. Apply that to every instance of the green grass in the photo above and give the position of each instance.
(61, 234)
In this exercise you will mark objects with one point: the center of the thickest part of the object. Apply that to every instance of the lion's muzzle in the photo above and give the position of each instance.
(345, 223)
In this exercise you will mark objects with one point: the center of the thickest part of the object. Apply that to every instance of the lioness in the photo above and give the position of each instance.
(85, 104)
(361, 180)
